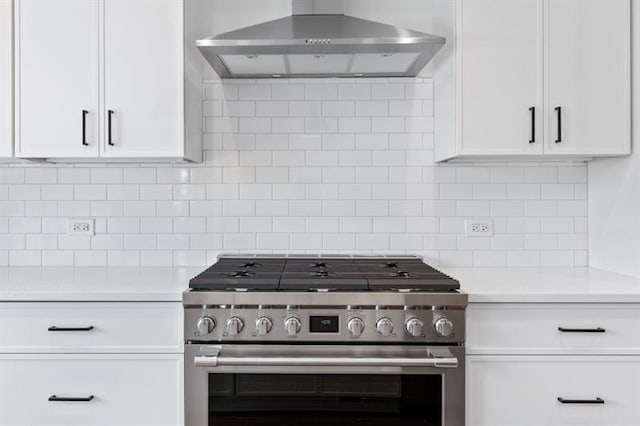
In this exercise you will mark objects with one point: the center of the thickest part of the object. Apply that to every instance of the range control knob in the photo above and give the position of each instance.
(263, 326)
(414, 327)
(443, 327)
(292, 326)
(384, 326)
(355, 326)
(234, 326)
(205, 325)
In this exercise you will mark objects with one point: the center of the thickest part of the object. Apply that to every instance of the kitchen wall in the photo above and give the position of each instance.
(614, 196)
(300, 166)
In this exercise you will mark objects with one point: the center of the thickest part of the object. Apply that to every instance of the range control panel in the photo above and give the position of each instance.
(382, 324)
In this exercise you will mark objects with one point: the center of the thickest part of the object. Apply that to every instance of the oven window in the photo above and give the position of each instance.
(327, 400)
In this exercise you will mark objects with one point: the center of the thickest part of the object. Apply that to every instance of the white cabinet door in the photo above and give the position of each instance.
(588, 76)
(90, 327)
(143, 77)
(116, 390)
(501, 78)
(530, 329)
(57, 78)
(524, 390)
(6, 79)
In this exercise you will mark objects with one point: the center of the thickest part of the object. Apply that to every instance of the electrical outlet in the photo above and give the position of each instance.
(478, 228)
(79, 226)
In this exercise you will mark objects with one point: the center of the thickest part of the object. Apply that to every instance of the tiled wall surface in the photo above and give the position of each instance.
(303, 166)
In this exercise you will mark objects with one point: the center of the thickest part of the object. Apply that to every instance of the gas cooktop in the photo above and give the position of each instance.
(322, 274)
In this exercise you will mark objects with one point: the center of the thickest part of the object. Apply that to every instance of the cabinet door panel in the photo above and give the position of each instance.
(501, 76)
(588, 76)
(523, 390)
(6, 80)
(142, 79)
(57, 77)
(127, 390)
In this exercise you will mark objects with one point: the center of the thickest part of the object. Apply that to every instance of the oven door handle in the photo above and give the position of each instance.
(268, 361)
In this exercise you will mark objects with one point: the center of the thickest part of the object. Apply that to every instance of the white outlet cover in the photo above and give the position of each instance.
(478, 228)
(81, 226)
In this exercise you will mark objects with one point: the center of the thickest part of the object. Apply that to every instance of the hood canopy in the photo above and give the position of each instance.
(319, 45)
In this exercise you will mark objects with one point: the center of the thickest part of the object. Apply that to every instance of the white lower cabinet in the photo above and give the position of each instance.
(553, 364)
(524, 390)
(91, 363)
(124, 389)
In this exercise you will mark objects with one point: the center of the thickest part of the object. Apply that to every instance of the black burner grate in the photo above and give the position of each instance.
(333, 274)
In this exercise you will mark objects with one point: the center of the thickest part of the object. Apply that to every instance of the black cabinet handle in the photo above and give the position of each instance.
(581, 401)
(54, 398)
(84, 127)
(54, 328)
(559, 112)
(582, 330)
(109, 114)
(533, 125)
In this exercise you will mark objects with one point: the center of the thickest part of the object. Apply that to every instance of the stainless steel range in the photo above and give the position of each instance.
(317, 340)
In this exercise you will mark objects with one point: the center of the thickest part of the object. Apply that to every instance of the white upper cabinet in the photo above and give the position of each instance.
(104, 80)
(6, 79)
(588, 75)
(510, 69)
(140, 56)
(57, 78)
(499, 110)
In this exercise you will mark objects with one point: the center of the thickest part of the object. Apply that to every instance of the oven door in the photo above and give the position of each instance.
(334, 385)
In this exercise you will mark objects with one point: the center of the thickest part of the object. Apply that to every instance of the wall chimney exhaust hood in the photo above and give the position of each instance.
(318, 40)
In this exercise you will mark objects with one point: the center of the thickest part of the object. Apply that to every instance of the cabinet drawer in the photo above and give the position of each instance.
(126, 389)
(524, 390)
(534, 329)
(90, 327)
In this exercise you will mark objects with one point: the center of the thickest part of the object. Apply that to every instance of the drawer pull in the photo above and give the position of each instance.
(54, 328)
(54, 398)
(582, 330)
(581, 401)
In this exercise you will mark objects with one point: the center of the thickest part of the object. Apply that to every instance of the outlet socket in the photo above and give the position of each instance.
(81, 226)
(478, 228)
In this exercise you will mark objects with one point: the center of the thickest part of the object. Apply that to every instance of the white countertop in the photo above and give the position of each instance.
(546, 285)
(95, 283)
(484, 285)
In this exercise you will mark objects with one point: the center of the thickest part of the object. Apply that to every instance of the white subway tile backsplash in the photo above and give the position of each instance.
(24, 192)
(305, 165)
(321, 91)
(107, 175)
(74, 175)
(25, 225)
(41, 208)
(239, 175)
(90, 257)
(39, 242)
(57, 258)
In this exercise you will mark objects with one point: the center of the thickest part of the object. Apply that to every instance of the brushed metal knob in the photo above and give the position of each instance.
(414, 327)
(355, 326)
(443, 327)
(292, 326)
(384, 326)
(263, 326)
(205, 325)
(234, 326)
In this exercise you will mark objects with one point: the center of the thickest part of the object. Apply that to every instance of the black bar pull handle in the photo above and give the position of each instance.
(559, 112)
(84, 127)
(109, 115)
(55, 398)
(581, 401)
(582, 330)
(533, 125)
(54, 328)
